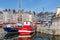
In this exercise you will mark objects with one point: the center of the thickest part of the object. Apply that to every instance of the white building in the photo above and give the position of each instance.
(56, 23)
(26, 15)
(29, 15)
(34, 16)
(6, 16)
(10, 16)
(1, 16)
(58, 10)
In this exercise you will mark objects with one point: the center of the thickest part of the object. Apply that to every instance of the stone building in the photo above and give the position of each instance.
(1, 16)
(10, 16)
(29, 15)
(58, 10)
(34, 16)
(45, 17)
(6, 15)
(20, 12)
(56, 22)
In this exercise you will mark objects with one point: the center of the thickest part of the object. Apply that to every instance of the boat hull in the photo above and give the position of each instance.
(11, 30)
(25, 32)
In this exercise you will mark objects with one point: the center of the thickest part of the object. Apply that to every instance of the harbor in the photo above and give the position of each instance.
(29, 20)
(37, 36)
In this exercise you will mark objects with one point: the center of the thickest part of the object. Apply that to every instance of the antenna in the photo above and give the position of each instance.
(42, 9)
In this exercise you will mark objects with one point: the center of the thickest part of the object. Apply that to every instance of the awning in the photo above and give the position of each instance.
(36, 22)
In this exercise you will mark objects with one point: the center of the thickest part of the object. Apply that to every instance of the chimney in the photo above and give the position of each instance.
(9, 10)
(34, 13)
(5, 10)
(14, 11)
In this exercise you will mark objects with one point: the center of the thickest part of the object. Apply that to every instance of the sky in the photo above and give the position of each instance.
(31, 5)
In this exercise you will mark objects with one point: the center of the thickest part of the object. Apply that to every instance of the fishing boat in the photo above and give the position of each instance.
(10, 28)
(26, 29)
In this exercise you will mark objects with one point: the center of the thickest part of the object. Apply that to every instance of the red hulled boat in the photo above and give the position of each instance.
(26, 29)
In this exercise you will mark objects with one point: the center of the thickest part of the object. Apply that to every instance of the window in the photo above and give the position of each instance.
(8, 15)
(1, 16)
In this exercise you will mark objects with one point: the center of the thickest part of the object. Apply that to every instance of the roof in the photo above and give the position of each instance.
(1, 12)
(56, 16)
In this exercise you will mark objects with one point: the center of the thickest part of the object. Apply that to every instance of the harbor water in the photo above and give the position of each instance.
(37, 36)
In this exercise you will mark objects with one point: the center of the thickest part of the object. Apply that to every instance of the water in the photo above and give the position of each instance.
(37, 36)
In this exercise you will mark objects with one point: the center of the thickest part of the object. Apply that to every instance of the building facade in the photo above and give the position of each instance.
(56, 23)
(45, 17)
(10, 16)
(7, 16)
(56, 18)
(27, 15)
(58, 10)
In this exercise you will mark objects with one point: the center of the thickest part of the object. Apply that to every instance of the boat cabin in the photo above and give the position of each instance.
(27, 23)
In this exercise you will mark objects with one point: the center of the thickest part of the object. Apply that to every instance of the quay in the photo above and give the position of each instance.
(48, 30)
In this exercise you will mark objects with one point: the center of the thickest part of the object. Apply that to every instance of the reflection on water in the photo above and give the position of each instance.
(38, 36)
(26, 38)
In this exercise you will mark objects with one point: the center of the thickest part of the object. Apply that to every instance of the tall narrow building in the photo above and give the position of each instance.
(58, 10)
(20, 12)
(20, 16)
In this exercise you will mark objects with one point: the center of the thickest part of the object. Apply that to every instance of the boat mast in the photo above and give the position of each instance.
(19, 4)
(20, 12)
